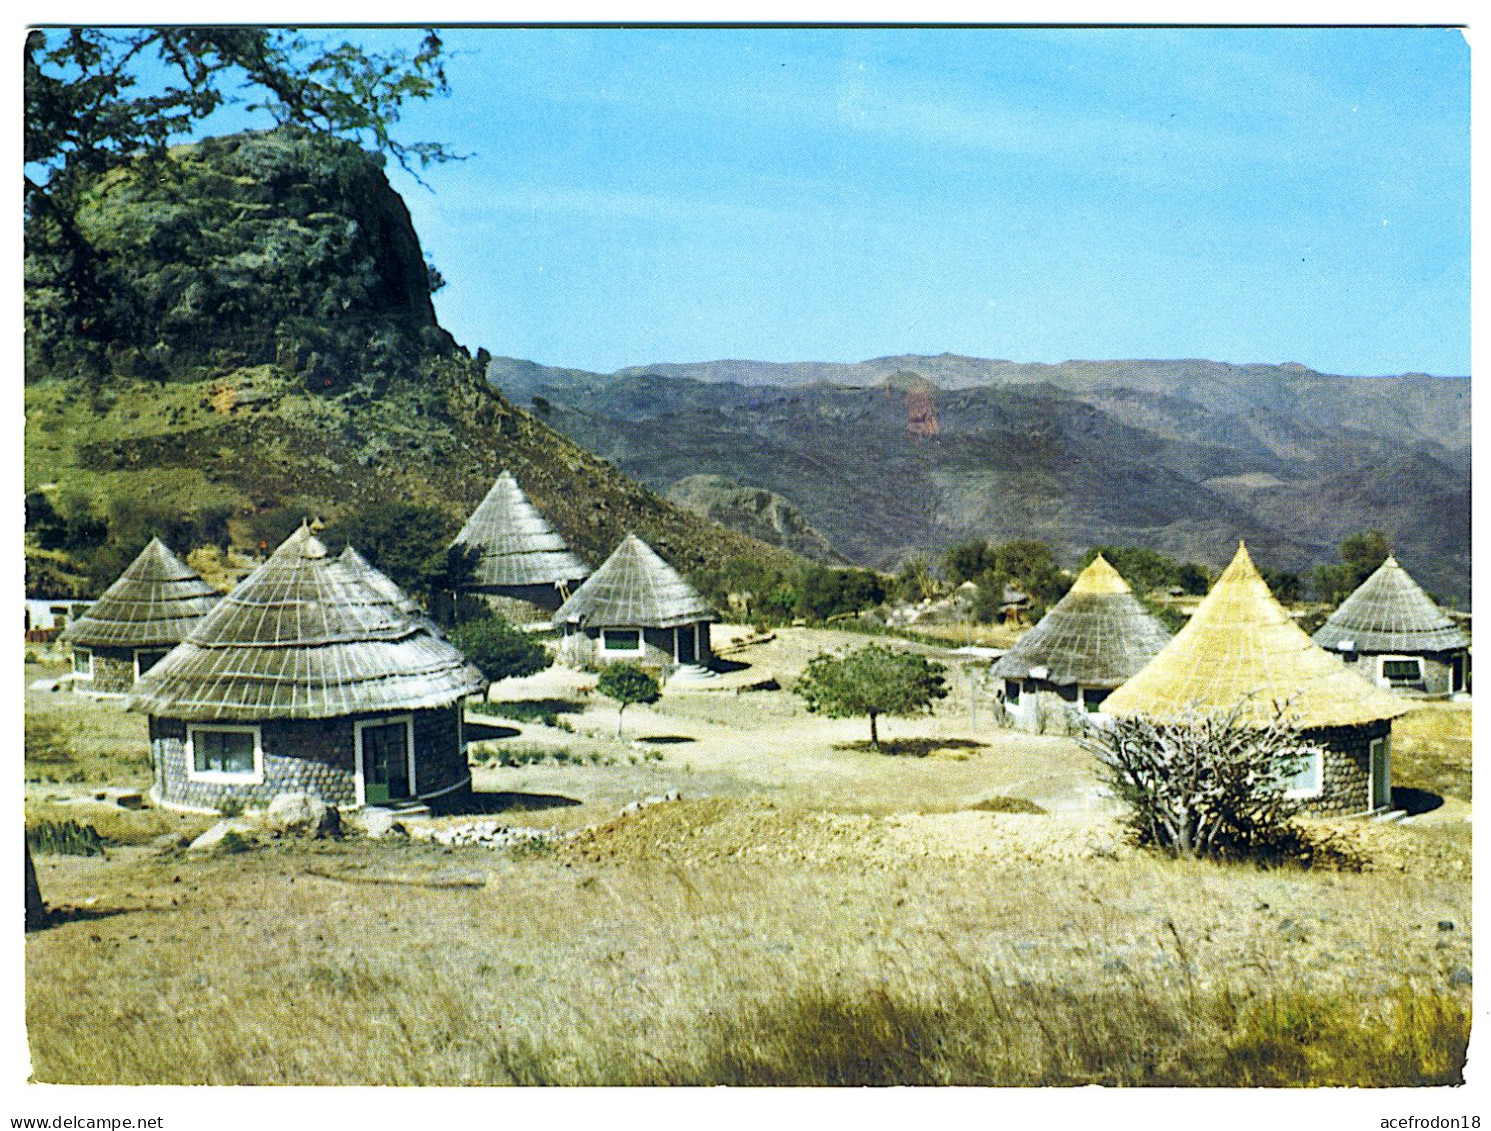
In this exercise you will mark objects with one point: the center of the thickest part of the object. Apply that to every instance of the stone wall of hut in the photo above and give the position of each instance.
(113, 672)
(1437, 668)
(582, 648)
(1347, 772)
(1047, 708)
(523, 604)
(316, 756)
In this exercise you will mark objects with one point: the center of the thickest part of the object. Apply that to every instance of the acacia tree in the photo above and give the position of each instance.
(1207, 785)
(627, 684)
(87, 111)
(873, 681)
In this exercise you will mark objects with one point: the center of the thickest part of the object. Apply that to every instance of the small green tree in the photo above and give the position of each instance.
(627, 684)
(873, 681)
(498, 649)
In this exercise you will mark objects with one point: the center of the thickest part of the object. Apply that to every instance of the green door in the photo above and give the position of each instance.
(385, 762)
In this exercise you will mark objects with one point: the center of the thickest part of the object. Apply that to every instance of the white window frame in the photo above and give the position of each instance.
(256, 777)
(1318, 789)
(358, 727)
(78, 673)
(1384, 681)
(164, 652)
(607, 650)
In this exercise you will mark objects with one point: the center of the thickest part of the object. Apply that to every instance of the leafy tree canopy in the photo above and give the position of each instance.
(627, 684)
(1361, 554)
(411, 544)
(498, 649)
(872, 681)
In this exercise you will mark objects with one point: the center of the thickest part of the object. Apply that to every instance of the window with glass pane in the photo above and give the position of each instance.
(223, 751)
(1402, 671)
(1305, 778)
(623, 640)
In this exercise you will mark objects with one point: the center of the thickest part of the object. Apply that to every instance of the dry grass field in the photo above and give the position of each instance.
(965, 911)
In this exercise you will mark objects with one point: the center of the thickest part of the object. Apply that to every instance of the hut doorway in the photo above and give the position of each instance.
(685, 644)
(1382, 789)
(1457, 672)
(385, 760)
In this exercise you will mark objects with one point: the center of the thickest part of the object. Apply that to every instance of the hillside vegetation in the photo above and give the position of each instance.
(272, 348)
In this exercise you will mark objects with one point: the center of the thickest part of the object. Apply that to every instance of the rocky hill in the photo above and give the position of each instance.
(266, 343)
(1181, 456)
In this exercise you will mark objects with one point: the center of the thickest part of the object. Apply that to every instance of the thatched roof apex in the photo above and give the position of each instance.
(634, 588)
(1390, 613)
(516, 543)
(305, 636)
(154, 603)
(1242, 647)
(1097, 635)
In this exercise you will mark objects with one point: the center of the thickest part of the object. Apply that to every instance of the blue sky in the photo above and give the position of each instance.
(644, 195)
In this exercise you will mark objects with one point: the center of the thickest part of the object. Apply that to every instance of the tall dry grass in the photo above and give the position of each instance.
(257, 968)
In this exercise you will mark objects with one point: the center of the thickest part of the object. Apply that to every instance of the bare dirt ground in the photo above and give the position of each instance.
(795, 857)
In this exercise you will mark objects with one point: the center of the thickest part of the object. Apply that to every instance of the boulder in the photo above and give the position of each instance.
(379, 823)
(302, 814)
(214, 836)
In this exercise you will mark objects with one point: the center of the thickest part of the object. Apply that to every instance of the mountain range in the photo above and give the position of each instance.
(906, 455)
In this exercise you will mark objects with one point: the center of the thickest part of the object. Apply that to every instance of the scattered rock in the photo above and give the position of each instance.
(648, 802)
(1446, 924)
(214, 836)
(378, 823)
(1460, 976)
(490, 834)
(303, 814)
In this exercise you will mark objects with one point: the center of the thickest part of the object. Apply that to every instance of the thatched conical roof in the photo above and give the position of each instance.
(1098, 635)
(516, 543)
(154, 603)
(1390, 613)
(305, 637)
(634, 589)
(1241, 647)
(379, 580)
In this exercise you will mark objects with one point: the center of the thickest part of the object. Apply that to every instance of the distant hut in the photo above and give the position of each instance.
(142, 616)
(524, 567)
(1089, 642)
(380, 581)
(1241, 649)
(1391, 632)
(635, 607)
(307, 678)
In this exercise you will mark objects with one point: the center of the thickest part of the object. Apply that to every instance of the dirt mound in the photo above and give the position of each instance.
(715, 829)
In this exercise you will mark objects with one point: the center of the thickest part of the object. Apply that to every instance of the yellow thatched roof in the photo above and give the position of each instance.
(1242, 647)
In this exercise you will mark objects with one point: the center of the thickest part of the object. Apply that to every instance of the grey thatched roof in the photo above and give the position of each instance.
(516, 543)
(379, 580)
(154, 603)
(305, 636)
(1390, 613)
(634, 589)
(1098, 635)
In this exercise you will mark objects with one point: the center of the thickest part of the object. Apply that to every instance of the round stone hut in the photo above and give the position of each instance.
(635, 607)
(307, 678)
(1390, 632)
(1088, 643)
(1242, 651)
(523, 569)
(142, 616)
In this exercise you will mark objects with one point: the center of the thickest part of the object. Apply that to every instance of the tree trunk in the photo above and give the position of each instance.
(619, 711)
(874, 733)
(36, 910)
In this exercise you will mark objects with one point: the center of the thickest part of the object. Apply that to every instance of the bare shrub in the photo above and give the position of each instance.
(1209, 785)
